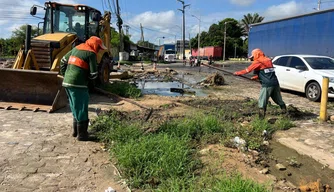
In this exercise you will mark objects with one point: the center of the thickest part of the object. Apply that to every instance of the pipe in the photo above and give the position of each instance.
(28, 40)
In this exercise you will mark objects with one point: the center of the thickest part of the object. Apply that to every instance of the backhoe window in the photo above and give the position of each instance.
(66, 19)
(92, 25)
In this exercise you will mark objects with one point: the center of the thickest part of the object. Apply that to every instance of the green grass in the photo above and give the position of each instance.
(237, 184)
(123, 89)
(167, 158)
(127, 62)
(153, 159)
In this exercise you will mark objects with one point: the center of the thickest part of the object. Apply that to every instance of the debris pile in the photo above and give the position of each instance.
(6, 63)
(315, 187)
(214, 79)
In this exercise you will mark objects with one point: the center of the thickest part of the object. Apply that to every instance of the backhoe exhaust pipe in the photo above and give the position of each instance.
(27, 40)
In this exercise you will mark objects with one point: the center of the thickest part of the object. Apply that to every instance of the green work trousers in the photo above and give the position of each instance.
(78, 99)
(274, 93)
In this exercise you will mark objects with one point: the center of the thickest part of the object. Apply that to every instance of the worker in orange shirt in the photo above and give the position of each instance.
(265, 72)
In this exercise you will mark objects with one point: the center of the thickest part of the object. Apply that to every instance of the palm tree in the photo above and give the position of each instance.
(250, 19)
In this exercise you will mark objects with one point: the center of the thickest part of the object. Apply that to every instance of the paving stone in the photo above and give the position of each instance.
(33, 181)
(37, 164)
(50, 181)
(13, 178)
(48, 189)
(25, 169)
(49, 169)
(66, 183)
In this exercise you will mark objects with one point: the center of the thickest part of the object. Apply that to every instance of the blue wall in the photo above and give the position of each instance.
(310, 34)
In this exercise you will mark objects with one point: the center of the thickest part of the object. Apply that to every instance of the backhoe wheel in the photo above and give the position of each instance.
(104, 71)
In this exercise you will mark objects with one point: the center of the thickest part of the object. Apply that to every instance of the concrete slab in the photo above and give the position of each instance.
(312, 139)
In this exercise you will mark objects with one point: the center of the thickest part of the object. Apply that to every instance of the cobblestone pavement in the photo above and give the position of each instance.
(38, 153)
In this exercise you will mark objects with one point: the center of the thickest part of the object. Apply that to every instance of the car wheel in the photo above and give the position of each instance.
(313, 91)
(104, 71)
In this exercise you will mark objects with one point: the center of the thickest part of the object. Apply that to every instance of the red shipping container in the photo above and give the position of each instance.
(216, 52)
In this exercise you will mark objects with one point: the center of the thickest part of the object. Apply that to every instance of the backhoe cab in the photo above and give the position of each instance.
(33, 81)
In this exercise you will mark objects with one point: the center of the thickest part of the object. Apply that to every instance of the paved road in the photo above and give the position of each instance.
(38, 154)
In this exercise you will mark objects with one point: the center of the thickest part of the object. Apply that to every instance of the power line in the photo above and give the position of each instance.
(159, 31)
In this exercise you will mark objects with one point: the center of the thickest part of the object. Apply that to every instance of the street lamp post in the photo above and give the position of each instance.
(225, 40)
(199, 35)
(184, 21)
(159, 39)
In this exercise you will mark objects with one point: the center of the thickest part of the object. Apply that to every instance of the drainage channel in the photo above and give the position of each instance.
(175, 87)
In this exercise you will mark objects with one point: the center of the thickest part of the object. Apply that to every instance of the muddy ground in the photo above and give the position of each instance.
(38, 153)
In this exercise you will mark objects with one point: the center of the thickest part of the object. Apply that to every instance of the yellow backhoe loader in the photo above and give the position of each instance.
(33, 82)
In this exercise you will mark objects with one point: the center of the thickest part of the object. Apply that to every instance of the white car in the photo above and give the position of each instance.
(304, 73)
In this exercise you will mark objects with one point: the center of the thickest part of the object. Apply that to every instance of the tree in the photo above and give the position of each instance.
(215, 37)
(250, 19)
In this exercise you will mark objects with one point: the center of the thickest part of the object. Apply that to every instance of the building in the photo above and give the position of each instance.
(179, 48)
(179, 45)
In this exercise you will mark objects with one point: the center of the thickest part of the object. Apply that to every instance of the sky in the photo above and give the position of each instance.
(161, 18)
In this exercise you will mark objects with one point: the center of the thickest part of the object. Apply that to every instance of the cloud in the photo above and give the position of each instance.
(15, 13)
(242, 2)
(157, 20)
(288, 9)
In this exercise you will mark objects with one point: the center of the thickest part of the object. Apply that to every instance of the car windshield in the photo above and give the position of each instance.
(320, 62)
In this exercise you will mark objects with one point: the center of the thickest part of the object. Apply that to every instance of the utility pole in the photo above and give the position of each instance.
(127, 29)
(184, 26)
(319, 3)
(199, 36)
(175, 45)
(189, 44)
(225, 41)
(142, 33)
(119, 24)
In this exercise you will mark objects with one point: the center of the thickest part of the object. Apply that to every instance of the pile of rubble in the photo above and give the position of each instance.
(6, 63)
(214, 79)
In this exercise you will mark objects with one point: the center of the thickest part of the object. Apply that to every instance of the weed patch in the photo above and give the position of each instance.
(123, 89)
(167, 158)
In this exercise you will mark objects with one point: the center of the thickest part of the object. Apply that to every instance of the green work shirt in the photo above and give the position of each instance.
(75, 76)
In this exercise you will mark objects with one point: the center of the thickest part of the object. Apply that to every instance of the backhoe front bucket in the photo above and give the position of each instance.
(31, 90)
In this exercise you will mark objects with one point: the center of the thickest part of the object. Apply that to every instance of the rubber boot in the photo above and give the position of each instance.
(75, 128)
(83, 132)
(262, 113)
(283, 109)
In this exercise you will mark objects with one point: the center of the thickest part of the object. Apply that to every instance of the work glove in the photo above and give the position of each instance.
(255, 77)
(236, 73)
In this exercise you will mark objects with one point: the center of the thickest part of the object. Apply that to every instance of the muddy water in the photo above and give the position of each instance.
(305, 169)
(157, 87)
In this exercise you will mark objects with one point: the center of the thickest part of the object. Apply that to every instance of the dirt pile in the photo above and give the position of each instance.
(214, 79)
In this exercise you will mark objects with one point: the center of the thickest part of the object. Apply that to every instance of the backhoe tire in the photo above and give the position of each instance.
(104, 71)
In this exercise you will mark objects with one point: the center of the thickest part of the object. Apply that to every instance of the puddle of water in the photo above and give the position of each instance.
(163, 88)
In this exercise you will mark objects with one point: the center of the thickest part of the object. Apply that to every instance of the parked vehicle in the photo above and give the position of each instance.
(304, 34)
(215, 52)
(304, 73)
(167, 52)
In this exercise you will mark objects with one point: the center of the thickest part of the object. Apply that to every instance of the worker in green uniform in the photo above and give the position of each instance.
(265, 72)
(79, 66)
